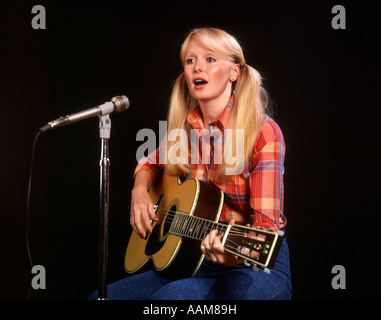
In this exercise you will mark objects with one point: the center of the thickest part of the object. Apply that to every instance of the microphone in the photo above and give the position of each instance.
(117, 104)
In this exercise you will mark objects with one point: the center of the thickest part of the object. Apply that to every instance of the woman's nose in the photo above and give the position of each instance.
(199, 66)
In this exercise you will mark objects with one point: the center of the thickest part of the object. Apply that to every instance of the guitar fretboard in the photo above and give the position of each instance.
(193, 227)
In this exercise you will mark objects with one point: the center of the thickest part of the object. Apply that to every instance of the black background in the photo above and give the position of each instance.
(323, 85)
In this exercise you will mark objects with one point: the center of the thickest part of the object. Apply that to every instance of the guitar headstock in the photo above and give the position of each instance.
(255, 246)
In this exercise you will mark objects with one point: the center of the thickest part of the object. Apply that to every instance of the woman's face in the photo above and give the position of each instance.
(209, 76)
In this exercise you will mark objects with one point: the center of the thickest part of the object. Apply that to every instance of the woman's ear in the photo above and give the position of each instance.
(235, 72)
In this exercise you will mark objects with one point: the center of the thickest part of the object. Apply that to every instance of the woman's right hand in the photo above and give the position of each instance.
(142, 210)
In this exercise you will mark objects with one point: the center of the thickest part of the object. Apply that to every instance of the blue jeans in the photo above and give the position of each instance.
(211, 282)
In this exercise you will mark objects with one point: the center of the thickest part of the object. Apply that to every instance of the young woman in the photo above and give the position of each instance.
(218, 91)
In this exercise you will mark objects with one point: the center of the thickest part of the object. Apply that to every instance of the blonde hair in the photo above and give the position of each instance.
(250, 98)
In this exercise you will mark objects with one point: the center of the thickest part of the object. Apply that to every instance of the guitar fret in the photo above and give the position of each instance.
(173, 226)
(203, 229)
(176, 225)
(222, 229)
(184, 224)
(187, 222)
(190, 223)
(193, 226)
(208, 229)
(181, 221)
(210, 225)
(197, 234)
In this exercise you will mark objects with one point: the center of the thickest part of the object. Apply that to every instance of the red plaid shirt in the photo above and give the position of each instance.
(256, 195)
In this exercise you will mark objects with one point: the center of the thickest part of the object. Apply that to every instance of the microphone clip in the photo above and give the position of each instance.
(104, 126)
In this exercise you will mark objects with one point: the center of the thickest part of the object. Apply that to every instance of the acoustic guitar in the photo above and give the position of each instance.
(187, 212)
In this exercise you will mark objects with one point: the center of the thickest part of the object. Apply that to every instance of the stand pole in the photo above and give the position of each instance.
(104, 131)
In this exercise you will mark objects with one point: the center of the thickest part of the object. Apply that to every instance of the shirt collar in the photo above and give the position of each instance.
(195, 116)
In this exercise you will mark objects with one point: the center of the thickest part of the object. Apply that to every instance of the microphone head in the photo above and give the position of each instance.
(121, 103)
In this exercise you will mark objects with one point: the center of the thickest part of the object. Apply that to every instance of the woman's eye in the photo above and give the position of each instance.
(189, 61)
(210, 59)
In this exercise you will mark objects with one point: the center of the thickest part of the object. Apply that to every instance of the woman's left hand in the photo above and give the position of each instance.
(213, 249)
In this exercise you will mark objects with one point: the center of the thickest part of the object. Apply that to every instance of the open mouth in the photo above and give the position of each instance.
(199, 82)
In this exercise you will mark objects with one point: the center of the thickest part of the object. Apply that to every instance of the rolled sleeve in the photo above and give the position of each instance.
(266, 179)
(152, 163)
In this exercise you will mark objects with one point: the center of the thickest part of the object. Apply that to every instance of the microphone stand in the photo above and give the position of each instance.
(104, 132)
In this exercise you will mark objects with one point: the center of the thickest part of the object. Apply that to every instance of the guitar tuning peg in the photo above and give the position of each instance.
(267, 270)
(247, 264)
(248, 225)
(281, 233)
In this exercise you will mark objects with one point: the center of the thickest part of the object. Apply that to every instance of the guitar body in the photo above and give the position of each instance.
(171, 254)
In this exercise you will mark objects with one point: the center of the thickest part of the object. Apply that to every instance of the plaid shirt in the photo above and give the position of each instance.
(254, 196)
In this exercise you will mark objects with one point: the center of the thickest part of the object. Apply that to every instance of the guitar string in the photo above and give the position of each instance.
(233, 230)
(235, 251)
(230, 244)
(219, 227)
(185, 214)
(234, 248)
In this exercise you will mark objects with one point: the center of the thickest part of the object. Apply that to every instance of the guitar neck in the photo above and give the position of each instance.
(236, 239)
(194, 227)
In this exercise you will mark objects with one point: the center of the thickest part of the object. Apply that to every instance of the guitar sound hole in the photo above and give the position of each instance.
(158, 237)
